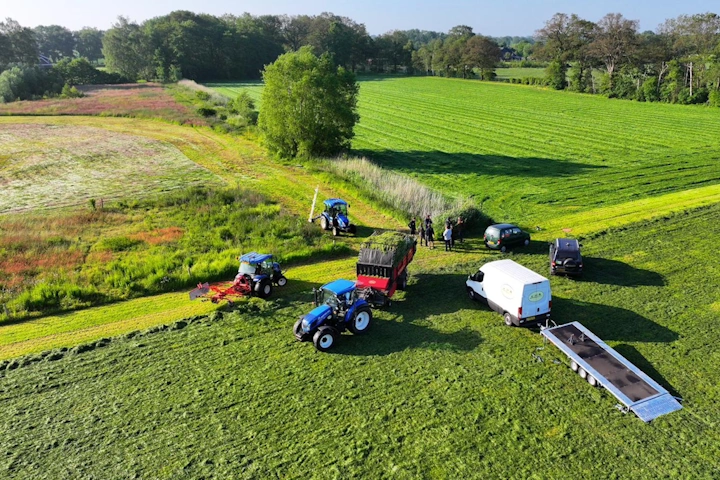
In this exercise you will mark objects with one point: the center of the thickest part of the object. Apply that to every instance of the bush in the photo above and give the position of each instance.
(70, 92)
(206, 111)
(650, 90)
(714, 98)
(27, 83)
(116, 244)
(555, 75)
(202, 95)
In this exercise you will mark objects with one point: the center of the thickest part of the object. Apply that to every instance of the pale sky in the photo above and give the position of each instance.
(494, 18)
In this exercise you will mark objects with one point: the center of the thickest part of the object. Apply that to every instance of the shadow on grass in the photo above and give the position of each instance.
(434, 162)
(635, 357)
(611, 323)
(613, 272)
(427, 295)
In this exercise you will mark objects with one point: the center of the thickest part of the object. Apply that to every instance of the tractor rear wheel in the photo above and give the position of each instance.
(263, 288)
(325, 338)
(361, 320)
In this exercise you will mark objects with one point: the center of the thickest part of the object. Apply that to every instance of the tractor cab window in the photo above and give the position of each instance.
(246, 268)
(267, 265)
(330, 299)
(339, 209)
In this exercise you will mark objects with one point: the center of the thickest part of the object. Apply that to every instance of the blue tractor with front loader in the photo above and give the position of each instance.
(338, 307)
(335, 217)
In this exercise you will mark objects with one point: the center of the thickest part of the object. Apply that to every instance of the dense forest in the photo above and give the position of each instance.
(677, 63)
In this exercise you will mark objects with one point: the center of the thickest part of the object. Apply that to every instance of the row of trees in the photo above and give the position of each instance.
(22, 45)
(678, 63)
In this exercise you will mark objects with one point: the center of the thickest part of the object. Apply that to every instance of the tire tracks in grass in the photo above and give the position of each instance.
(621, 215)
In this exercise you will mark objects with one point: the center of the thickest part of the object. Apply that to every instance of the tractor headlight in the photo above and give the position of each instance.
(305, 325)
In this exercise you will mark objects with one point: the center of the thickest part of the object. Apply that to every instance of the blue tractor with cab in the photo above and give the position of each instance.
(335, 217)
(338, 307)
(262, 272)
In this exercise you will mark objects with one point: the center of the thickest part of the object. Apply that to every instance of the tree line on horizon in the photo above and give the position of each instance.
(680, 62)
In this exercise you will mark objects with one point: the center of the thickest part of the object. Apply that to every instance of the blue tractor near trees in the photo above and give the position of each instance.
(338, 307)
(335, 217)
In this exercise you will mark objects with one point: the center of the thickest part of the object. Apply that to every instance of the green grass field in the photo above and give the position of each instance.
(503, 73)
(439, 388)
(232, 89)
(537, 154)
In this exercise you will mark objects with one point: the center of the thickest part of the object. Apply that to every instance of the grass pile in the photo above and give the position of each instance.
(386, 248)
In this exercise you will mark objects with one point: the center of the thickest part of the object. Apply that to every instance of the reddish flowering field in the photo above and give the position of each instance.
(144, 100)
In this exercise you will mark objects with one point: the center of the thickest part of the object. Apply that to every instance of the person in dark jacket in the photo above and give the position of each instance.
(423, 238)
(412, 226)
(430, 236)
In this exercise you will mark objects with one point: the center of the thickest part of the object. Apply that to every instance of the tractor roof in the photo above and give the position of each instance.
(340, 287)
(331, 202)
(253, 258)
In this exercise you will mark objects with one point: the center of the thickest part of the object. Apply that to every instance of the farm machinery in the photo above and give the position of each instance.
(334, 217)
(256, 276)
(345, 305)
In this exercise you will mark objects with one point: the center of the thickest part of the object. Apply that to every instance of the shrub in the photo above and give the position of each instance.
(202, 95)
(206, 111)
(714, 98)
(116, 244)
(26, 83)
(70, 92)
(650, 90)
(555, 75)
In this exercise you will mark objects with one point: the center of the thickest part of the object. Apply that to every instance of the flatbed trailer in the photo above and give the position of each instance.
(601, 365)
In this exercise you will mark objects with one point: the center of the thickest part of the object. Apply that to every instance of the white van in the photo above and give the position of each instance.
(519, 294)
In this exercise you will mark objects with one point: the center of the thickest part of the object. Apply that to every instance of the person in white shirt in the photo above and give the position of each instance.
(447, 236)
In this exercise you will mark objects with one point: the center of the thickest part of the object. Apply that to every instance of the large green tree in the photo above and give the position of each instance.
(88, 43)
(54, 41)
(308, 105)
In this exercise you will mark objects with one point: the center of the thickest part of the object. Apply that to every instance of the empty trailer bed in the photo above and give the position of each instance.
(601, 365)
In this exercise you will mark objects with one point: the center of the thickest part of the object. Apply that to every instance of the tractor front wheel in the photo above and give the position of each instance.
(325, 338)
(297, 331)
(263, 288)
(281, 281)
(324, 223)
(361, 320)
(335, 231)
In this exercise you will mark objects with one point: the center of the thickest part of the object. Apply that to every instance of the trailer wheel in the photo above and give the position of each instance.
(592, 380)
(282, 281)
(361, 320)
(324, 223)
(263, 288)
(583, 374)
(325, 338)
(402, 281)
(574, 366)
(297, 331)
(508, 320)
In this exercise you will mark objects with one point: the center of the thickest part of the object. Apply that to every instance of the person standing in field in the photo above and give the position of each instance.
(428, 222)
(459, 226)
(413, 227)
(423, 238)
(447, 236)
(430, 235)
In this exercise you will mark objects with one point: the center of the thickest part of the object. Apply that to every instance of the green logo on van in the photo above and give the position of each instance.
(507, 291)
(536, 296)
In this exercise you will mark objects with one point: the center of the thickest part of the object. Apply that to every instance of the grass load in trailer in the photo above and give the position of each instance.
(382, 265)
(601, 365)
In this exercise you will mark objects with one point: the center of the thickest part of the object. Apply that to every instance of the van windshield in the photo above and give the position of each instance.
(492, 234)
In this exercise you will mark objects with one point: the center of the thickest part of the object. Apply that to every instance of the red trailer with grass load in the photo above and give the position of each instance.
(382, 266)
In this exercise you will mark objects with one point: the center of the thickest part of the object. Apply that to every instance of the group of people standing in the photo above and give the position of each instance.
(449, 235)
